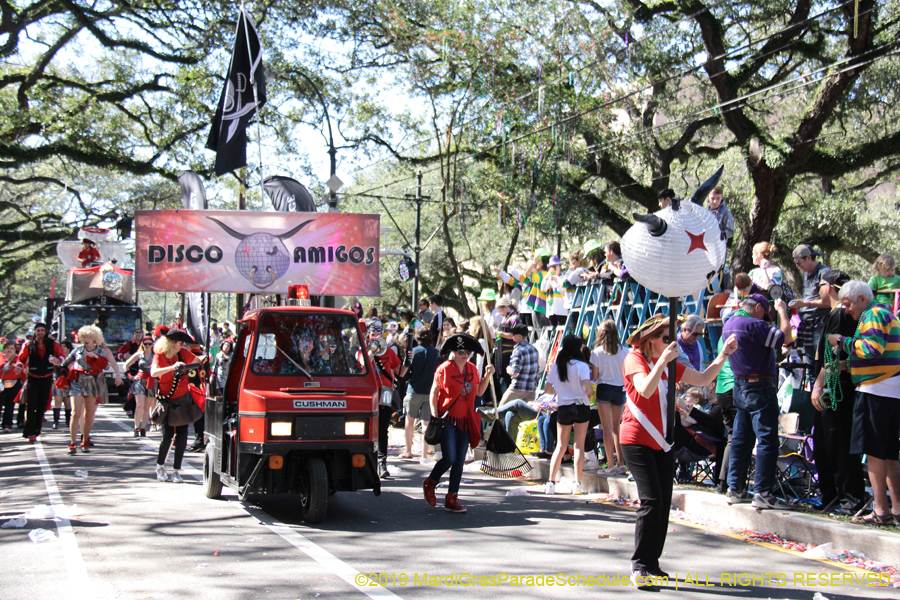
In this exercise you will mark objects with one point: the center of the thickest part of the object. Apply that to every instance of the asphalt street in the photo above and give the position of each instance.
(131, 536)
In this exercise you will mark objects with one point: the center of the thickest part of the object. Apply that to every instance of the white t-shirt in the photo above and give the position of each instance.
(610, 365)
(573, 276)
(494, 321)
(570, 392)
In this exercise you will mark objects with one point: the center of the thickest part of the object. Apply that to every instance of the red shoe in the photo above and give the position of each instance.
(428, 486)
(72, 449)
(32, 439)
(451, 503)
(86, 444)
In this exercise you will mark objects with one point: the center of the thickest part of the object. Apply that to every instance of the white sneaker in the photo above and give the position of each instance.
(161, 474)
(550, 488)
(176, 477)
(576, 489)
(591, 462)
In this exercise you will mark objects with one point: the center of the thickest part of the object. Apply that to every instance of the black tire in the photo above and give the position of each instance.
(314, 490)
(212, 485)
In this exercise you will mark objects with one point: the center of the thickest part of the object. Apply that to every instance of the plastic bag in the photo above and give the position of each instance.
(14, 523)
(41, 512)
(519, 491)
(822, 551)
(41, 535)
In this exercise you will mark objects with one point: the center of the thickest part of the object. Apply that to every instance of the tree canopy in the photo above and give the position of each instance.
(545, 125)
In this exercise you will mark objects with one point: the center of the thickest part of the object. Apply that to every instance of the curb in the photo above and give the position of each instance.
(880, 546)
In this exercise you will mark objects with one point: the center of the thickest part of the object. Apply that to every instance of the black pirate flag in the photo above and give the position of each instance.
(238, 104)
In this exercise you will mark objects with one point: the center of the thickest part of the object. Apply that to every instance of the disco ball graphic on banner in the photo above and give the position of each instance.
(112, 281)
(261, 258)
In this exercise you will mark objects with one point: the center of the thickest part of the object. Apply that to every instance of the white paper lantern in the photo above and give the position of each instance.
(680, 261)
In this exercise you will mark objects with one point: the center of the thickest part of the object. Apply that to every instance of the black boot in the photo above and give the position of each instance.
(382, 466)
(55, 418)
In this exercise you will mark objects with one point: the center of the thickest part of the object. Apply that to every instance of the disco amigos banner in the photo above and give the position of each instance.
(257, 252)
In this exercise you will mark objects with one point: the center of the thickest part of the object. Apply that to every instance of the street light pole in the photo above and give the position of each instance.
(332, 152)
(418, 248)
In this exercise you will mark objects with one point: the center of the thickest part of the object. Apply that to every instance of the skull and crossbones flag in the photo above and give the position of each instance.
(238, 103)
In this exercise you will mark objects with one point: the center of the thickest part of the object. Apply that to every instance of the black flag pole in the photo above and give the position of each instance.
(673, 373)
(262, 187)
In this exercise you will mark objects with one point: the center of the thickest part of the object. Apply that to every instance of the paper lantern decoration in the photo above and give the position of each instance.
(675, 251)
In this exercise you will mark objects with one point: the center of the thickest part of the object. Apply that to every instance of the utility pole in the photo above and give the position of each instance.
(418, 249)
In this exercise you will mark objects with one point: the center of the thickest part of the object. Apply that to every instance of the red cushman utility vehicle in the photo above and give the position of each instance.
(298, 411)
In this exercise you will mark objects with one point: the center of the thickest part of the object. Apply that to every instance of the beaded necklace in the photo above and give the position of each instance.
(833, 366)
(833, 376)
(741, 313)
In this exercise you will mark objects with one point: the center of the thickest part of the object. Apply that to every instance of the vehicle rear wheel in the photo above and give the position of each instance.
(212, 484)
(314, 490)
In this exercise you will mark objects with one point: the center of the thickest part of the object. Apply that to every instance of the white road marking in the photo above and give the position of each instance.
(317, 553)
(78, 576)
(323, 557)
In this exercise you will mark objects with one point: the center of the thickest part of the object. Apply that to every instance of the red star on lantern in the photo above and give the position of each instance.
(696, 241)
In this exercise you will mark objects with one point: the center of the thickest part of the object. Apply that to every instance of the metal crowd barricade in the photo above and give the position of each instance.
(627, 303)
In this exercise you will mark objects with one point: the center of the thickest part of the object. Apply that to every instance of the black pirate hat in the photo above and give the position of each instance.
(178, 335)
(461, 341)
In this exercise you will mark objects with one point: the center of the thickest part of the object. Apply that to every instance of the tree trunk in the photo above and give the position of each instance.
(770, 191)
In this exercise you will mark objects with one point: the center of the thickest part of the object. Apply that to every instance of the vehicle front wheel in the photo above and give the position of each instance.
(212, 484)
(314, 490)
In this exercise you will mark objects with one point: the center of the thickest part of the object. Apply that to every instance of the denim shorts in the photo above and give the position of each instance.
(610, 394)
(570, 414)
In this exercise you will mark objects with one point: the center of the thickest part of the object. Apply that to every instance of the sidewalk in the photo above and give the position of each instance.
(881, 546)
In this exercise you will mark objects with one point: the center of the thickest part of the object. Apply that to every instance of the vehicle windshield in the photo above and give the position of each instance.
(117, 324)
(320, 344)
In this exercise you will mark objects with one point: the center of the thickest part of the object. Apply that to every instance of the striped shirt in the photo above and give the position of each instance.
(535, 297)
(874, 353)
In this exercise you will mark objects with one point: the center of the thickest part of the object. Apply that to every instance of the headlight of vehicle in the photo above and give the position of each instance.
(355, 428)
(281, 428)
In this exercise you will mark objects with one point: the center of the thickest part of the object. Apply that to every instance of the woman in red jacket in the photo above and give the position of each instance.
(170, 357)
(456, 383)
(85, 363)
(12, 384)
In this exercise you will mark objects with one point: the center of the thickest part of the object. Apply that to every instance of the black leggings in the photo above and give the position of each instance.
(180, 434)
(384, 421)
(8, 403)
